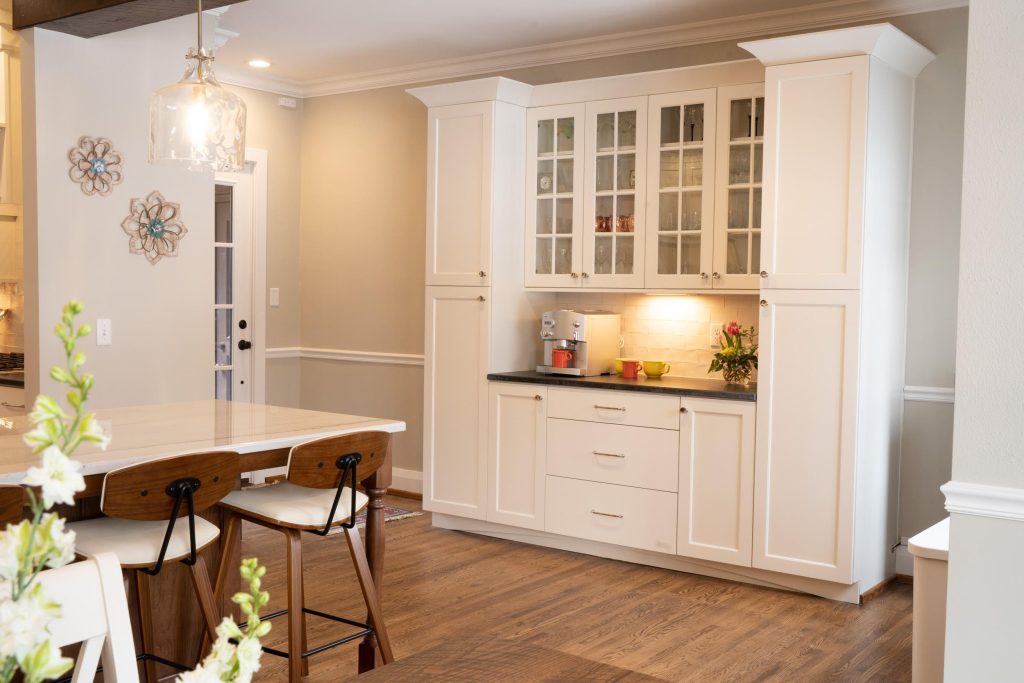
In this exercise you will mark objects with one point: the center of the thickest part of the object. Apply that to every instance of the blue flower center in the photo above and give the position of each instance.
(99, 166)
(155, 228)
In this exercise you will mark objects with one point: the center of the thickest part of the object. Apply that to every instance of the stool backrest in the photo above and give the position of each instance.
(12, 503)
(142, 491)
(316, 464)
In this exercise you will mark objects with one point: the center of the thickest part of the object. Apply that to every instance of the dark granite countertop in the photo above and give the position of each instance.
(8, 382)
(677, 386)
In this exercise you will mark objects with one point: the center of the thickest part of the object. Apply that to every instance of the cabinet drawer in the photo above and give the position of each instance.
(637, 518)
(615, 407)
(614, 454)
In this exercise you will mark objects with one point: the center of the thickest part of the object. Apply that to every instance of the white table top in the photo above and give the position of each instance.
(147, 432)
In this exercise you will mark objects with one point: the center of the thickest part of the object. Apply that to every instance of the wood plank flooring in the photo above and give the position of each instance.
(444, 585)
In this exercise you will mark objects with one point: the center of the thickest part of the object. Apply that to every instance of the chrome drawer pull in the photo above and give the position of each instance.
(611, 455)
(599, 407)
(605, 514)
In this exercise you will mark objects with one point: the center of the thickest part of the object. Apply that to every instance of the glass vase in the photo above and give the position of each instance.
(737, 374)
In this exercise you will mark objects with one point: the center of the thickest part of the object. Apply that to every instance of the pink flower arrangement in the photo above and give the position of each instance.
(736, 360)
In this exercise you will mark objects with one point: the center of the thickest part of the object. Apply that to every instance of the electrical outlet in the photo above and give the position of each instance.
(104, 332)
(275, 297)
(715, 335)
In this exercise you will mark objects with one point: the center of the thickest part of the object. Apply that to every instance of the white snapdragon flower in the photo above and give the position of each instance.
(94, 432)
(59, 477)
(61, 543)
(11, 551)
(248, 652)
(199, 675)
(24, 623)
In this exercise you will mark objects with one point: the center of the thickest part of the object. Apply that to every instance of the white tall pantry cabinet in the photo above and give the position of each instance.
(838, 111)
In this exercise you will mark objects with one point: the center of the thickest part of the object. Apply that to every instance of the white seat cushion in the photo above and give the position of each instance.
(294, 506)
(137, 543)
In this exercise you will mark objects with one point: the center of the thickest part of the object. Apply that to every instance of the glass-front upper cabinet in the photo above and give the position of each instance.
(680, 190)
(613, 219)
(554, 211)
(737, 259)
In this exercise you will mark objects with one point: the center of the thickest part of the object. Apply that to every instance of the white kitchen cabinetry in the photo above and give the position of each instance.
(806, 438)
(460, 147)
(457, 339)
(716, 480)
(516, 455)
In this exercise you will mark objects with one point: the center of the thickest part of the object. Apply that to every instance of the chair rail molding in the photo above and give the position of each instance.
(928, 394)
(345, 355)
(984, 500)
(792, 19)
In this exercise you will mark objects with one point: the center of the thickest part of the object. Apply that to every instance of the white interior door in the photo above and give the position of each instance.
(234, 309)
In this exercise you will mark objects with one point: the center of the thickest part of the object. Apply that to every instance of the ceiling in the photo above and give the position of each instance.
(324, 46)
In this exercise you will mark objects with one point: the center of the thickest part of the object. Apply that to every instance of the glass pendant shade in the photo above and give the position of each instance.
(196, 122)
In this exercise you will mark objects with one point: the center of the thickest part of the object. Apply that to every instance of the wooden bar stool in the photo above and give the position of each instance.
(12, 504)
(319, 493)
(142, 504)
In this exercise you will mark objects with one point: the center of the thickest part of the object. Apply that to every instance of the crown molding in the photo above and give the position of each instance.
(805, 18)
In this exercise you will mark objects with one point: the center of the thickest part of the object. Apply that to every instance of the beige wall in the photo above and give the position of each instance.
(362, 239)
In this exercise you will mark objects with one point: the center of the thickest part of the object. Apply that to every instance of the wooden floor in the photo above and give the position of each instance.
(441, 585)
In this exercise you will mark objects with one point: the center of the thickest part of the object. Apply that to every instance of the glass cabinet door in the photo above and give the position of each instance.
(680, 194)
(737, 260)
(554, 212)
(613, 221)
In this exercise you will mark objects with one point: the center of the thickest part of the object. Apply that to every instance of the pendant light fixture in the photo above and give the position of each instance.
(196, 122)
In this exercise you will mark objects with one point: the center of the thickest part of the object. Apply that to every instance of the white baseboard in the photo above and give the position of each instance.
(407, 480)
(904, 560)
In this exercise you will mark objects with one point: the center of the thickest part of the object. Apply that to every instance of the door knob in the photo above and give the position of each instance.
(244, 345)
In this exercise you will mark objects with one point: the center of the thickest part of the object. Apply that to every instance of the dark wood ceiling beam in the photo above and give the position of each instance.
(89, 18)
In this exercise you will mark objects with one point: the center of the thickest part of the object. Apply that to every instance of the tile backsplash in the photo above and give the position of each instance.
(12, 325)
(670, 328)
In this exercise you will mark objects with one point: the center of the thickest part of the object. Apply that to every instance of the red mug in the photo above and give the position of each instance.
(561, 358)
(630, 369)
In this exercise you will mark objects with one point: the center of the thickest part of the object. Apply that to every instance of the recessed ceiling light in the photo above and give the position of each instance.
(259, 63)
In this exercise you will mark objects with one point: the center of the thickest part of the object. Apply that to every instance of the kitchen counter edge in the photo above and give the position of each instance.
(675, 386)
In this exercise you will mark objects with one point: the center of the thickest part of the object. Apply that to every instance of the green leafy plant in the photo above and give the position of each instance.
(736, 360)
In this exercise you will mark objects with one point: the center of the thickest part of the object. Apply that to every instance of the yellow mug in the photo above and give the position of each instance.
(656, 368)
(618, 364)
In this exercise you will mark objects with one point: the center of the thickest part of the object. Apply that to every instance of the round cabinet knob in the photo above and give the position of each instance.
(764, 303)
(764, 273)
(574, 275)
(716, 275)
(482, 274)
(538, 397)
(481, 298)
(703, 276)
(683, 410)
(586, 275)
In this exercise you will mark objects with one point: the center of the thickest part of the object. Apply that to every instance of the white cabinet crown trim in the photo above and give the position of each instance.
(984, 500)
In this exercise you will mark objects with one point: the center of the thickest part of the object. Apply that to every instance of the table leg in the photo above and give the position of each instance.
(375, 487)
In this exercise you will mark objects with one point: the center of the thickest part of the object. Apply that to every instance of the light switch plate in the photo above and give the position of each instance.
(715, 335)
(275, 297)
(104, 332)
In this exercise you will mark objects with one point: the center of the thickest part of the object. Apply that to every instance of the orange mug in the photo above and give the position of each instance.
(561, 358)
(630, 369)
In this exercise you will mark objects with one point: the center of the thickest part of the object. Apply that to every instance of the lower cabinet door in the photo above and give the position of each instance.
(716, 480)
(806, 421)
(623, 515)
(455, 401)
(516, 454)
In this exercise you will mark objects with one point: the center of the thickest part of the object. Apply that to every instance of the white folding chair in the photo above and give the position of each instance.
(94, 612)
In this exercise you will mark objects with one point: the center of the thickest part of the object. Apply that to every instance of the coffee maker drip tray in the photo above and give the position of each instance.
(548, 370)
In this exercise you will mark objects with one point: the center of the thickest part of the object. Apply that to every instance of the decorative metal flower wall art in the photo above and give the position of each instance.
(95, 165)
(154, 227)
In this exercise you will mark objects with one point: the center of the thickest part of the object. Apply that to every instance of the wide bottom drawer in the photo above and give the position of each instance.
(637, 518)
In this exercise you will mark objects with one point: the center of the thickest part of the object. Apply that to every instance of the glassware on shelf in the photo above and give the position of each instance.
(627, 130)
(670, 125)
(545, 137)
(566, 135)
(693, 125)
(605, 132)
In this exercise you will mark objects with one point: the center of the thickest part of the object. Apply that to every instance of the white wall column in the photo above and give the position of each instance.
(985, 613)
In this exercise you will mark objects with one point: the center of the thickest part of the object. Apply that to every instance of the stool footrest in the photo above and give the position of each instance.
(365, 630)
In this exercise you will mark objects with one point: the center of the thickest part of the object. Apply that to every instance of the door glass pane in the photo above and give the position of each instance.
(544, 216)
(543, 265)
(759, 125)
(668, 211)
(693, 167)
(566, 135)
(736, 254)
(739, 164)
(624, 254)
(222, 337)
(564, 175)
(669, 125)
(667, 254)
(563, 255)
(627, 171)
(605, 132)
(669, 172)
(545, 176)
(605, 172)
(545, 137)
(758, 162)
(755, 222)
(691, 210)
(693, 125)
(627, 129)
(624, 219)
(689, 254)
(603, 214)
(222, 213)
(738, 209)
(740, 119)
(223, 390)
(222, 260)
(563, 217)
(755, 252)
(603, 254)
